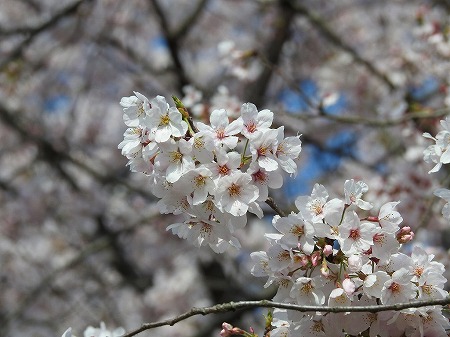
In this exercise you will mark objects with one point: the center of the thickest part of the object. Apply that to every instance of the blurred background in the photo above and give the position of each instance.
(81, 238)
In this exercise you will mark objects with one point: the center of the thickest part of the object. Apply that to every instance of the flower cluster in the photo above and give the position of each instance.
(336, 252)
(212, 174)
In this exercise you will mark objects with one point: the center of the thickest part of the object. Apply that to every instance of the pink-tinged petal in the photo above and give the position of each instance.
(442, 193)
(267, 163)
(265, 118)
(288, 166)
(173, 173)
(219, 118)
(234, 159)
(248, 111)
(204, 128)
(254, 208)
(275, 180)
(162, 135)
(179, 130)
(199, 197)
(236, 208)
(234, 127)
(131, 147)
(160, 104)
(230, 142)
(445, 158)
(365, 205)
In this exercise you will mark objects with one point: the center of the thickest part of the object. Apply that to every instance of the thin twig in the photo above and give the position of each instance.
(327, 32)
(274, 206)
(378, 123)
(47, 281)
(233, 306)
(173, 45)
(185, 26)
(32, 32)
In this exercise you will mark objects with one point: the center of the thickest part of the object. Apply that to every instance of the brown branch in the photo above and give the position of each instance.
(256, 92)
(33, 31)
(173, 44)
(328, 33)
(274, 206)
(46, 282)
(55, 156)
(288, 119)
(140, 60)
(184, 28)
(233, 306)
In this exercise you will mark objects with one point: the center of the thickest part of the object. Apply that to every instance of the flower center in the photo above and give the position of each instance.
(136, 131)
(200, 181)
(220, 133)
(298, 230)
(418, 271)
(176, 156)
(260, 176)
(141, 110)
(224, 170)
(251, 127)
(199, 143)
(394, 287)
(316, 207)
(307, 288)
(164, 120)
(378, 238)
(234, 190)
(427, 289)
(205, 230)
(262, 151)
(317, 326)
(284, 255)
(354, 234)
(280, 149)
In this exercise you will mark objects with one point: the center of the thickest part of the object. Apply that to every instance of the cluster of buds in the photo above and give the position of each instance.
(212, 174)
(335, 252)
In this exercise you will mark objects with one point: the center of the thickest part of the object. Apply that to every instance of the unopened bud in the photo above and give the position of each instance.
(328, 250)
(325, 271)
(405, 235)
(180, 106)
(226, 329)
(229, 330)
(348, 286)
(315, 258)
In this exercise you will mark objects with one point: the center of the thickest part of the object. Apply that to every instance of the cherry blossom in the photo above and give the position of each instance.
(135, 109)
(398, 289)
(164, 121)
(255, 121)
(221, 130)
(353, 193)
(235, 193)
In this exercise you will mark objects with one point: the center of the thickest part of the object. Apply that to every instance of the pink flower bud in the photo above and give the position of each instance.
(301, 259)
(315, 258)
(226, 329)
(405, 235)
(348, 286)
(328, 250)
